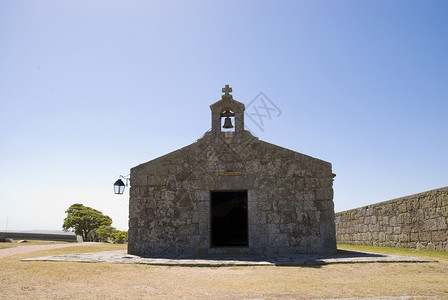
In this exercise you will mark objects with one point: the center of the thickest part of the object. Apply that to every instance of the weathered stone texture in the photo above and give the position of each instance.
(417, 222)
(290, 206)
(289, 195)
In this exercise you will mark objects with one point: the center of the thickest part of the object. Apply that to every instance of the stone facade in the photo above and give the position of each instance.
(417, 222)
(289, 206)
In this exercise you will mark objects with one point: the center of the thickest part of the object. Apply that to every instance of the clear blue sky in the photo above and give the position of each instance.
(90, 89)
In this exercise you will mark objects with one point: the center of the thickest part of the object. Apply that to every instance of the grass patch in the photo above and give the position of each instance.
(65, 280)
(7, 245)
(76, 248)
(30, 243)
(441, 256)
(79, 249)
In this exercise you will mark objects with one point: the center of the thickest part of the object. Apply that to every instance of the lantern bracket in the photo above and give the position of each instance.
(127, 177)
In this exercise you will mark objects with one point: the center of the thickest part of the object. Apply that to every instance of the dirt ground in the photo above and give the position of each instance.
(67, 280)
(32, 248)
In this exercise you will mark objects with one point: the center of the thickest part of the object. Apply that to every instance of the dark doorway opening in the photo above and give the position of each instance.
(229, 219)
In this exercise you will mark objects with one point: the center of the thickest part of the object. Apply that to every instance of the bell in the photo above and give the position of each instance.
(227, 123)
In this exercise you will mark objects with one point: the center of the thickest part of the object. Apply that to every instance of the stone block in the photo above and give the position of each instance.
(257, 195)
(273, 218)
(439, 236)
(195, 241)
(289, 228)
(403, 238)
(363, 236)
(204, 206)
(267, 183)
(188, 230)
(139, 180)
(305, 196)
(277, 240)
(204, 229)
(288, 217)
(376, 227)
(284, 206)
(430, 224)
(272, 229)
(393, 221)
(325, 193)
(309, 206)
(264, 205)
(199, 217)
(257, 217)
(425, 236)
(439, 247)
(156, 181)
(403, 208)
(258, 240)
(134, 191)
(256, 229)
(253, 166)
(325, 205)
(444, 211)
(414, 237)
(442, 224)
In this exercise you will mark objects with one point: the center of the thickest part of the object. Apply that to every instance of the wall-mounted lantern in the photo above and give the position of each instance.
(119, 184)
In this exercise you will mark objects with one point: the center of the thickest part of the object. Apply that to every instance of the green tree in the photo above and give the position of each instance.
(84, 221)
(106, 233)
(121, 237)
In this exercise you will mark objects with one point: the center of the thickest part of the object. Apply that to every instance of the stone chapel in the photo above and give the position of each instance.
(231, 193)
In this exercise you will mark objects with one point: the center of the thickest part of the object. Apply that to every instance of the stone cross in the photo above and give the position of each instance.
(226, 90)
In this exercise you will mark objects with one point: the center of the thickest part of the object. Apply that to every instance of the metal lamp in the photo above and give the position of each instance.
(119, 185)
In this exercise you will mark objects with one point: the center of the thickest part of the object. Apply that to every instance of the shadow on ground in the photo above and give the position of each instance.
(303, 260)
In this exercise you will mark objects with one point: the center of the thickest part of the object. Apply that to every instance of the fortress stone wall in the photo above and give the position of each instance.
(418, 222)
(38, 236)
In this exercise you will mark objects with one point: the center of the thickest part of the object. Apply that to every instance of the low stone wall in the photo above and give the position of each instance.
(39, 236)
(418, 222)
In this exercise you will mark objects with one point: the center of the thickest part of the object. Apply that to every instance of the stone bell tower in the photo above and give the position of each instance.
(227, 109)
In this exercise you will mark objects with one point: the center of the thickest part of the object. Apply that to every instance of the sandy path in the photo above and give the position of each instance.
(26, 249)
